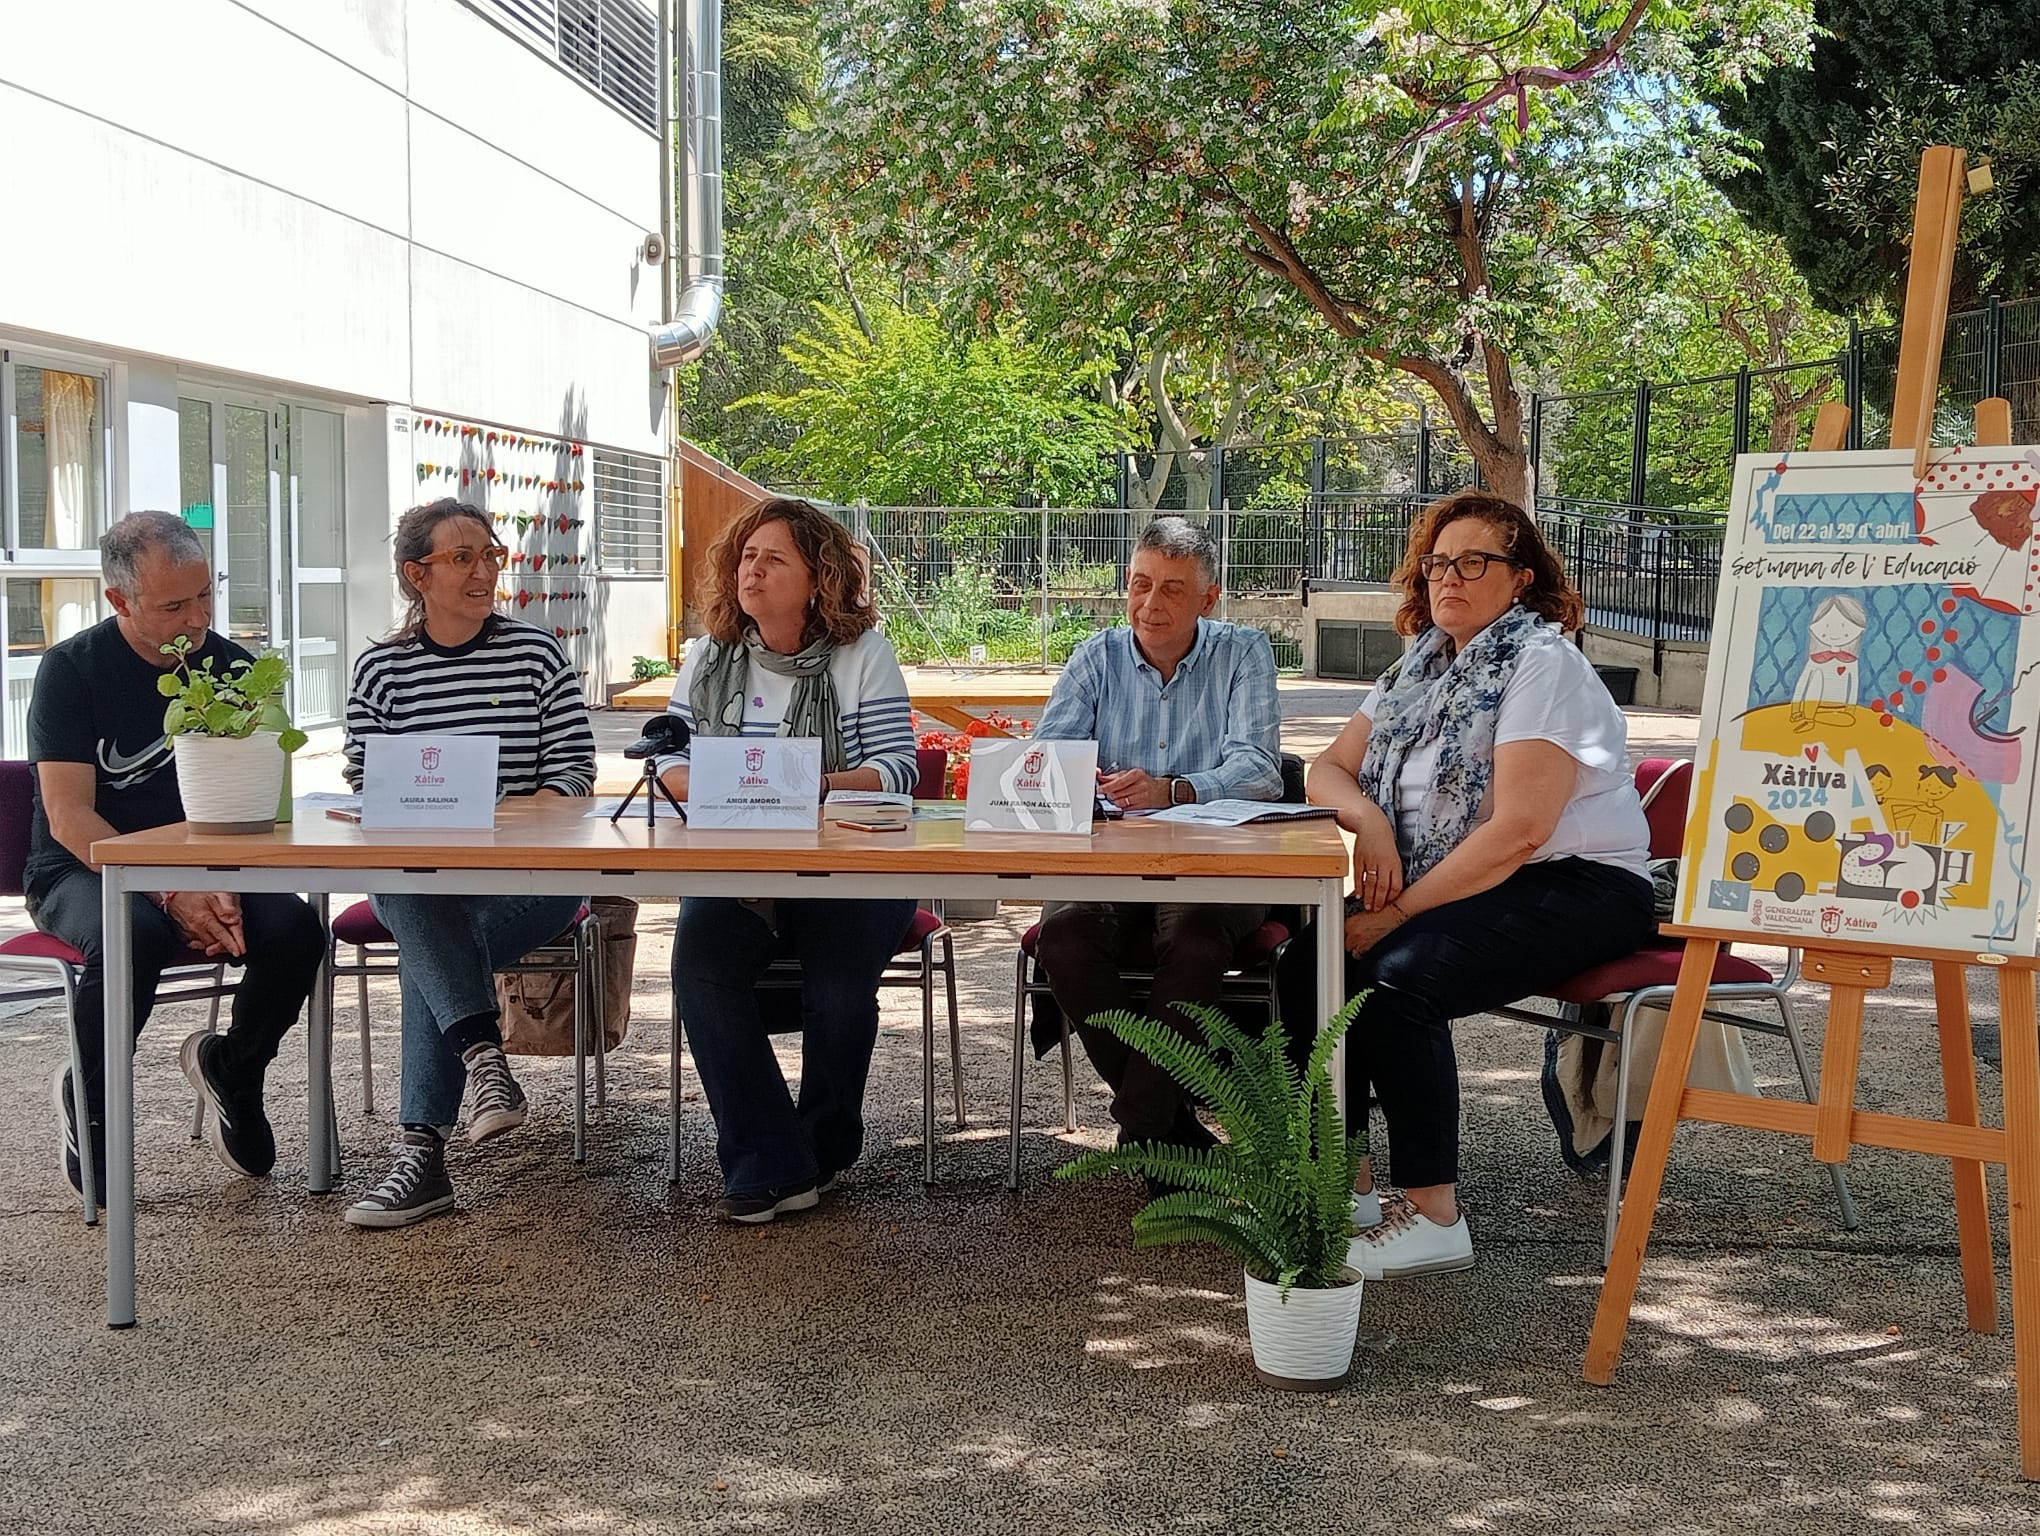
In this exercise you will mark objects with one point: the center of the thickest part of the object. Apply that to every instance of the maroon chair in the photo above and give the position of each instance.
(1647, 979)
(576, 953)
(190, 977)
(913, 965)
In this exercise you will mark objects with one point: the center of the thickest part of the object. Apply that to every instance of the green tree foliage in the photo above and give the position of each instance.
(905, 416)
(1834, 147)
(1409, 184)
(770, 70)
(1686, 306)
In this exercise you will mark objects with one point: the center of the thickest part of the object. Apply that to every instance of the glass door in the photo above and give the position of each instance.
(315, 529)
(248, 513)
(263, 486)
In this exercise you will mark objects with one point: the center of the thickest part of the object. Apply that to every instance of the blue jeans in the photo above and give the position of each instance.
(448, 949)
(721, 948)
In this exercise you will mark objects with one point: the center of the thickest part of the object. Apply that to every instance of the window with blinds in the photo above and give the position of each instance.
(630, 514)
(612, 45)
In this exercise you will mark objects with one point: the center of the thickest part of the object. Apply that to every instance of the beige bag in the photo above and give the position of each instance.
(538, 1009)
(1586, 1071)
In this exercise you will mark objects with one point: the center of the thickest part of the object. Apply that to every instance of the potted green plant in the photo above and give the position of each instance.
(1277, 1191)
(231, 737)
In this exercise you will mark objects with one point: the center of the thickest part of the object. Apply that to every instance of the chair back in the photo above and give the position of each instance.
(931, 765)
(1292, 779)
(1665, 785)
(17, 815)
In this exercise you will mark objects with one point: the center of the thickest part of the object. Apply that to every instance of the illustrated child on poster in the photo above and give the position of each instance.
(1826, 690)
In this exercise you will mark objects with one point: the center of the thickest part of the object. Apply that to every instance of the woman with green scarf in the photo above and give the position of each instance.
(792, 648)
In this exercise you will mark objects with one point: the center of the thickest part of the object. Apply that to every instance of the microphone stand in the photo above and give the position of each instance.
(651, 786)
(660, 732)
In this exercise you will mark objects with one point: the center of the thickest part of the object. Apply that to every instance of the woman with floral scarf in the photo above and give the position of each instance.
(792, 649)
(1498, 847)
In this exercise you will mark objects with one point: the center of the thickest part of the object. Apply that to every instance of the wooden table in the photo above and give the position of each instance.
(950, 699)
(553, 846)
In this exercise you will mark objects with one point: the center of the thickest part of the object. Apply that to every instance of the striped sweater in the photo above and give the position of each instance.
(878, 725)
(511, 681)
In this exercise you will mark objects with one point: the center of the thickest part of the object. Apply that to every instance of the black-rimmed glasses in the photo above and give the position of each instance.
(1470, 566)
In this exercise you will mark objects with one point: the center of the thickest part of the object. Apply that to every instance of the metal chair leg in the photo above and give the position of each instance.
(673, 1103)
(1618, 1138)
(955, 1029)
(1069, 1083)
(598, 1003)
(1019, 1061)
(81, 1109)
(1844, 1196)
(361, 1025)
(927, 1065)
(580, 1063)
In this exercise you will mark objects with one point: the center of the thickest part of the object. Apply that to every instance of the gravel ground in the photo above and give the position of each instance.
(586, 1350)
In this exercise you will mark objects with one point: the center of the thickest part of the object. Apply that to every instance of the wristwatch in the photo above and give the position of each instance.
(1182, 792)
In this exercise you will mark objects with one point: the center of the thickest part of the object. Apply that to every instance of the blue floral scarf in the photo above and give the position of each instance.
(1431, 694)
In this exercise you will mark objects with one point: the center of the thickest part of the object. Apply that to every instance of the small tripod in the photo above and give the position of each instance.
(661, 733)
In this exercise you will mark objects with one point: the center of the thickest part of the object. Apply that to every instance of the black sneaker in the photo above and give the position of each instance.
(416, 1187)
(67, 1141)
(494, 1103)
(237, 1127)
(751, 1210)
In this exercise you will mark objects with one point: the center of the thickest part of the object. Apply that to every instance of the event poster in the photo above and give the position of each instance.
(1866, 749)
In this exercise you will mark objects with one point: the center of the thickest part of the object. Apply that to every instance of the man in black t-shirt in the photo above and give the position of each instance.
(103, 766)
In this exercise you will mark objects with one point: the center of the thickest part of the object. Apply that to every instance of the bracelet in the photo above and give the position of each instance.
(1401, 916)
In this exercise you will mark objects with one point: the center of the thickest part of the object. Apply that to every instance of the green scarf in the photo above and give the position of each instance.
(724, 677)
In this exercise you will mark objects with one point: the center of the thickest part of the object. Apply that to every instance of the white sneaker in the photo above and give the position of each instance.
(1366, 1209)
(1409, 1243)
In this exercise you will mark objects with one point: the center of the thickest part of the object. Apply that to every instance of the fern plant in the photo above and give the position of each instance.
(1278, 1191)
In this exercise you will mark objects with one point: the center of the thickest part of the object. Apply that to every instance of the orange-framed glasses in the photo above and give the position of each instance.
(464, 557)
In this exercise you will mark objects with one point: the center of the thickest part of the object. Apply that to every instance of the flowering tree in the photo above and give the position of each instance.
(1411, 185)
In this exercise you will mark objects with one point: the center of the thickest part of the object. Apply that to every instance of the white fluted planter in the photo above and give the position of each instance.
(1303, 1342)
(230, 783)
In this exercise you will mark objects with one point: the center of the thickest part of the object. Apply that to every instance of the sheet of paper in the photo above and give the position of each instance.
(763, 783)
(1031, 786)
(1237, 813)
(428, 782)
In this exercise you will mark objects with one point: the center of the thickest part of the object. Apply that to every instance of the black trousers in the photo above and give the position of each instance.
(1083, 947)
(1548, 921)
(285, 943)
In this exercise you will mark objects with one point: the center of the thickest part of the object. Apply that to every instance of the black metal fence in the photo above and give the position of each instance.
(1669, 445)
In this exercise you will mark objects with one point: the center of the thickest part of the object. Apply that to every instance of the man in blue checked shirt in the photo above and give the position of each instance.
(1183, 709)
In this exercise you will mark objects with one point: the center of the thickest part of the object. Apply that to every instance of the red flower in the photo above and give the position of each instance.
(978, 728)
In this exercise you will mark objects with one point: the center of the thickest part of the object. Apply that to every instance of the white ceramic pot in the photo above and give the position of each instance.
(230, 784)
(1304, 1341)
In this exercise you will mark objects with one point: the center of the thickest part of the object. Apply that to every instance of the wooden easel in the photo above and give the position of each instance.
(1851, 972)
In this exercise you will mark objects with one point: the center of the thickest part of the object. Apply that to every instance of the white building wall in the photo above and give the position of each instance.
(348, 202)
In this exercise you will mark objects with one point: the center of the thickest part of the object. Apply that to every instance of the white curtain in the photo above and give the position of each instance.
(69, 446)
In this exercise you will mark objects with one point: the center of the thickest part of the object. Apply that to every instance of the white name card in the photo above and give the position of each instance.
(1031, 786)
(768, 783)
(428, 781)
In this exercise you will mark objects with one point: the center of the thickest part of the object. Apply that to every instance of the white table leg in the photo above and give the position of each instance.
(118, 961)
(1331, 971)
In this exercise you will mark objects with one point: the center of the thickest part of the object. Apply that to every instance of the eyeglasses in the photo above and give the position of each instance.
(464, 556)
(1470, 566)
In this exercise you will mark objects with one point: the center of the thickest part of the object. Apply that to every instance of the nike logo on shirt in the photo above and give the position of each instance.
(132, 769)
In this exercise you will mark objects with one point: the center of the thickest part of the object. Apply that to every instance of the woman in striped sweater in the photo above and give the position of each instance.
(793, 649)
(458, 668)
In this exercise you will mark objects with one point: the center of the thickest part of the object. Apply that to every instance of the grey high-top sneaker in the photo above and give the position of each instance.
(416, 1187)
